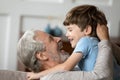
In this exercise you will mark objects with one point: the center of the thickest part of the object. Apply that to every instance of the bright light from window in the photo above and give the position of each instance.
(50, 1)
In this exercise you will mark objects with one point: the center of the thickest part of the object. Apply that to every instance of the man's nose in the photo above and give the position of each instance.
(57, 39)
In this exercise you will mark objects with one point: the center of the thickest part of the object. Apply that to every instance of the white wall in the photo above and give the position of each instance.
(21, 14)
(115, 19)
(3, 39)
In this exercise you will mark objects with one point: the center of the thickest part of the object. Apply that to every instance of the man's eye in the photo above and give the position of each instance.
(51, 38)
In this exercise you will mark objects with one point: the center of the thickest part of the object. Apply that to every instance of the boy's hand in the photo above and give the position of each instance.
(31, 75)
(102, 32)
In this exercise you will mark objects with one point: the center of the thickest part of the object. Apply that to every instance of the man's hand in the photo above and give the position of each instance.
(31, 75)
(102, 32)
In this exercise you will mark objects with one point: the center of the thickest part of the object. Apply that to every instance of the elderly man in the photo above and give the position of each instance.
(40, 51)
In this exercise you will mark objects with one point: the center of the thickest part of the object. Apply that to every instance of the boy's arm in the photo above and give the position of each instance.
(66, 66)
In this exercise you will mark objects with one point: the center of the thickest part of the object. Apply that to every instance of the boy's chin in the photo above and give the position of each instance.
(73, 46)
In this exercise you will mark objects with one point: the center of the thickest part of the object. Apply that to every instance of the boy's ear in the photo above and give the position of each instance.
(88, 30)
(41, 56)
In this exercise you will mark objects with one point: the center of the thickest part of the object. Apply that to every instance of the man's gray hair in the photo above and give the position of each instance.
(27, 48)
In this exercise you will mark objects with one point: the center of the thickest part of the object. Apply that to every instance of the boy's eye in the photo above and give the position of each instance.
(70, 30)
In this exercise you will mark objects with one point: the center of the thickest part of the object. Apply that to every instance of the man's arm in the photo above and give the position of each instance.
(103, 34)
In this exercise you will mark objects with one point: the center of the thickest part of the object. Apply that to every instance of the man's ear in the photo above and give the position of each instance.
(41, 56)
(88, 30)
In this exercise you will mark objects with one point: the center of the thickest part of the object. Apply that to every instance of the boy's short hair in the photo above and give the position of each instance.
(85, 15)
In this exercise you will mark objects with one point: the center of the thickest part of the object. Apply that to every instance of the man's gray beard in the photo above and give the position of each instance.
(64, 56)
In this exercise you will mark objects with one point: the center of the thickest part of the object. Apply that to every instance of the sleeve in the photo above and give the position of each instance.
(103, 68)
(82, 47)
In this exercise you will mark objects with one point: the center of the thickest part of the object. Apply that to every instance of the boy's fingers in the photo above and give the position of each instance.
(28, 76)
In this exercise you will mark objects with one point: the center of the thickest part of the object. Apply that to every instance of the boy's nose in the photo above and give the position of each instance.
(67, 34)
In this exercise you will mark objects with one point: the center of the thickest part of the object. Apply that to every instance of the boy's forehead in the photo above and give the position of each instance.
(72, 26)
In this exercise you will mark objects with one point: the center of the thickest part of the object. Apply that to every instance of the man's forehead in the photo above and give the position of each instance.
(40, 35)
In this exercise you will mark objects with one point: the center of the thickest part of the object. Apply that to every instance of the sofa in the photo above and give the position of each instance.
(12, 75)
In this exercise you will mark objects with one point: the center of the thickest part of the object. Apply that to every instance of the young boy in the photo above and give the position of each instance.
(81, 23)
